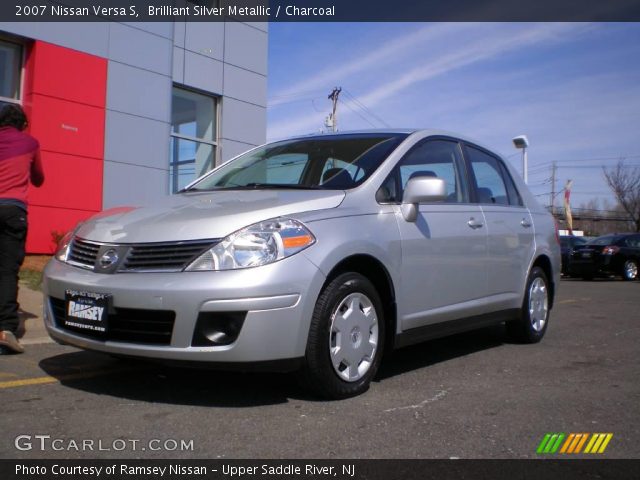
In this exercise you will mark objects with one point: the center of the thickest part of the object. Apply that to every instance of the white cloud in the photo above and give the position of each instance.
(378, 54)
(441, 49)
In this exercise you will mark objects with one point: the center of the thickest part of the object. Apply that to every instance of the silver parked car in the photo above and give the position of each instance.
(316, 254)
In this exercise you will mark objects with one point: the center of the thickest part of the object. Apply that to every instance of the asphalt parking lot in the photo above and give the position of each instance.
(468, 396)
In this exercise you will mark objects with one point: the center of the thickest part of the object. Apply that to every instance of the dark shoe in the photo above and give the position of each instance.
(8, 341)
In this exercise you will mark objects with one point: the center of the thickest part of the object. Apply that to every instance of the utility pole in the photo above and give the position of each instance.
(554, 167)
(332, 120)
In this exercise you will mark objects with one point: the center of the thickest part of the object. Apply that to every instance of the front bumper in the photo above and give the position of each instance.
(278, 300)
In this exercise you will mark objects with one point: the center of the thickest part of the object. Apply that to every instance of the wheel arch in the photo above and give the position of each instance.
(379, 276)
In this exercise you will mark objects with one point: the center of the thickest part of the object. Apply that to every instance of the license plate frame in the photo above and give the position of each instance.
(87, 312)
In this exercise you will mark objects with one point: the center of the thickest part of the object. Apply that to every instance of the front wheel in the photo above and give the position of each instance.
(532, 323)
(346, 338)
(630, 270)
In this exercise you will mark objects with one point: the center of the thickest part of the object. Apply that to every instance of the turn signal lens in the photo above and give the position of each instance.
(297, 242)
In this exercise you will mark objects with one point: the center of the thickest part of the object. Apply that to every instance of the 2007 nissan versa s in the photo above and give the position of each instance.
(318, 254)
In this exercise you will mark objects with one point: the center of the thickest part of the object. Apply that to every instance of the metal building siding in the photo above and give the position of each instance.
(119, 111)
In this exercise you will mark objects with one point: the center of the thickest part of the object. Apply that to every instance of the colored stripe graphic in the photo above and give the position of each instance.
(598, 442)
(573, 443)
(570, 439)
(550, 443)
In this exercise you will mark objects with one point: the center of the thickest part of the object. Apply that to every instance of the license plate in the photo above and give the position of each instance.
(586, 254)
(87, 311)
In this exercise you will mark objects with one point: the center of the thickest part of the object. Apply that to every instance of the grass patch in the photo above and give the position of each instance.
(32, 279)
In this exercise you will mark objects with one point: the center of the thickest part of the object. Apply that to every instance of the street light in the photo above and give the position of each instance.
(522, 142)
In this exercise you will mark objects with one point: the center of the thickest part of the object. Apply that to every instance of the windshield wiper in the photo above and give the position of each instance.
(189, 189)
(275, 186)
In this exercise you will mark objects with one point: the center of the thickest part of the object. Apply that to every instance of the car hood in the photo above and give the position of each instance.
(195, 216)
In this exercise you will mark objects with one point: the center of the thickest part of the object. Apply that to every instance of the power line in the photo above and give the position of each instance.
(593, 159)
(358, 113)
(599, 166)
(366, 109)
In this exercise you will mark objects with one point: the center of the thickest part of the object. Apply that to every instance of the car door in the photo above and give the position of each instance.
(443, 271)
(509, 227)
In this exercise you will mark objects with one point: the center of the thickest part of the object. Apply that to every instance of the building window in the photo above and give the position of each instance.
(10, 70)
(193, 137)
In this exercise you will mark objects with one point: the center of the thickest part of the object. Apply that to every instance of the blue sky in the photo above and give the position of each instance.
(573, 89)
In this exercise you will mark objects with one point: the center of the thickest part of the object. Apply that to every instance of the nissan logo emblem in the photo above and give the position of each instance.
(108, 258)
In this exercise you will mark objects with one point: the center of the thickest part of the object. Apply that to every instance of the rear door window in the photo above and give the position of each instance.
(490, 183)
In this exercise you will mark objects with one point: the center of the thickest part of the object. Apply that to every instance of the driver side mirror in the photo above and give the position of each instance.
(421, 189)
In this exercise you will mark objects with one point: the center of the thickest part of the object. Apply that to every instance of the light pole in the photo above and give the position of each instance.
(522, 142)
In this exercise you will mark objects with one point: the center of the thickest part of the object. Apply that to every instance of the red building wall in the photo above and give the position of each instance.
(65, 98)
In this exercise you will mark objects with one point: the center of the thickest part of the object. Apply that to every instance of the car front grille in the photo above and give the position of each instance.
(83, 253)
(163, 256)
(149, 327)
(142, 257)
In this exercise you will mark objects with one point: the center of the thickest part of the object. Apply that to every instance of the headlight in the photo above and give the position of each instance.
(258, 244)
(62, 250)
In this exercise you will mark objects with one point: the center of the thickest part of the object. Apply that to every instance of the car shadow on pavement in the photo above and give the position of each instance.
(156, 383)
(137, 380)
(432, 352)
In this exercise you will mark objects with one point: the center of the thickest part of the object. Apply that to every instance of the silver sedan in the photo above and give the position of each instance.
(315, 254)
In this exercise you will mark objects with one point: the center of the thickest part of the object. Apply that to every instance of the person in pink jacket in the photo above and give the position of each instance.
(19, 165)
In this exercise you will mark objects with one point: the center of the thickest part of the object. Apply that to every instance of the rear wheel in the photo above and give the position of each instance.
(531, 326)
(630, 270)
(346, 338)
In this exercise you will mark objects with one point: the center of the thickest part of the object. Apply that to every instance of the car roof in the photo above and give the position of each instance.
(393, 131)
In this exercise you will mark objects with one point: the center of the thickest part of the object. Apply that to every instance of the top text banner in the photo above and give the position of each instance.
(318, 10)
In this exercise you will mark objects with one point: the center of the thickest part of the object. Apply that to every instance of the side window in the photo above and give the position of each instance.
(437, 158)
(633, 241)
(512, 191)
(490, 185)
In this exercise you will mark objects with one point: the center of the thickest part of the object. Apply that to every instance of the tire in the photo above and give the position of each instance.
(342, 364)
(630, 270)
(532, 323)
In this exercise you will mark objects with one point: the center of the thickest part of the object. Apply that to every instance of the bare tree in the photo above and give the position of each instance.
(625, 183)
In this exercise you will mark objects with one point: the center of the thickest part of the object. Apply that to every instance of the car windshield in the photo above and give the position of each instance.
(333, 162)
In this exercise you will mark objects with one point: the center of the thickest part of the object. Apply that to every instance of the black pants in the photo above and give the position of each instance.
(13, 234)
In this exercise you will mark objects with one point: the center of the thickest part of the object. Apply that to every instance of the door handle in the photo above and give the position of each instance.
(473, 223)
(525, 223)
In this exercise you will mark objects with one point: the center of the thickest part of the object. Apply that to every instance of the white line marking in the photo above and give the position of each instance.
(441, 394)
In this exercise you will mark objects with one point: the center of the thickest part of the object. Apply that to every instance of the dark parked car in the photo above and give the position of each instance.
(568, 243)
(616, 254)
